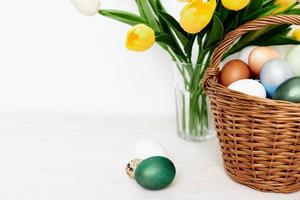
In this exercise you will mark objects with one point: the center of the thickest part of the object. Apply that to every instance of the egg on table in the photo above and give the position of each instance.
(289, 90)
(233, 71)
(155, 173)
(273, 73)
(293, 59)
(250, 87)
(245, 53)
(259, 56)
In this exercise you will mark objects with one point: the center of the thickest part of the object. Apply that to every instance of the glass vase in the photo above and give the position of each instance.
(194, 117)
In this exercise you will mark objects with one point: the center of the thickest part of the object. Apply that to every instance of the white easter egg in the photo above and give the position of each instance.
(245, 53)
(87, 7)
(293, 59)
(250, 87)
(148, 148)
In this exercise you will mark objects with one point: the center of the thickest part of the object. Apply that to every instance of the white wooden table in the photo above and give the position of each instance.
(82, 157)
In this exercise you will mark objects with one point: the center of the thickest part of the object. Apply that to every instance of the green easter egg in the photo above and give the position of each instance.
(289, 90)
(155, 173)
(292, 58)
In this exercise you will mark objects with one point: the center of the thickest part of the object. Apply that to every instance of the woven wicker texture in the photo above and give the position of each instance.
(259, 138)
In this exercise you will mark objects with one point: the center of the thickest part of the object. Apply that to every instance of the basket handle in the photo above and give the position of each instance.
(234, 35)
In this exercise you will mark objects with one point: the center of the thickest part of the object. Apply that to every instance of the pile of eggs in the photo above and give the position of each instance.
(260, 72)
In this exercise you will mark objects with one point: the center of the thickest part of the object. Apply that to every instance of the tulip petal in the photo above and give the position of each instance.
(296, 34)
(196, 15)
(140, 38)
(87, 7)
(235, 5)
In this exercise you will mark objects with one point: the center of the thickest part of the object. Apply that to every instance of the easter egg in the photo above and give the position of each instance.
(273, 73)
(259, 56)
(245, 53)
(148, 148)
(131, 167)
(293, 59)
(250, 87)
(233, 71)
(289, 90)
(155, 173)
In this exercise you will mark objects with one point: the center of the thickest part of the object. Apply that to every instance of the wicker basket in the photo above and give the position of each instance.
(259, 138)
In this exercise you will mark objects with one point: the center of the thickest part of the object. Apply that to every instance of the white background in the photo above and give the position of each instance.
(52, 59)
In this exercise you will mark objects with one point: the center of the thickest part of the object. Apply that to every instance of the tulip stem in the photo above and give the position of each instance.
(198, 108)
(196, 122)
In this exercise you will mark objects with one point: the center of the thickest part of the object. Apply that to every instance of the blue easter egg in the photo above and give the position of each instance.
(273, 73)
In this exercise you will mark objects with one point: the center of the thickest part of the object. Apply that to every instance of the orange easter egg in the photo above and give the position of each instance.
(259, 56)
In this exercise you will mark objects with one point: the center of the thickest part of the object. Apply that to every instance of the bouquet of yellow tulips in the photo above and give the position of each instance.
(200, 27)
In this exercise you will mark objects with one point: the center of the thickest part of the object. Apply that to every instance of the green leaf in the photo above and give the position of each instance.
(245, 40)
(258, 37)
(189, 47)
(254, 6)
(232, 23)
(141, 11)
(164, 28)
(295, 11)
(200, 37)
(156, 5)
(276, 40)
(268, 2)
(122, 16)
(159, 6)
(149, 15)
(222, 12)
(215, 33)
(277, 30)
(153, 4)
(262, 12)
(166, 39)
(175, 26)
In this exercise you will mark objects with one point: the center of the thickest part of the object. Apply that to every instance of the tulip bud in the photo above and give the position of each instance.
(140, 38)
(87, 7)
(296, 34)
(195, 16)
(235, 5)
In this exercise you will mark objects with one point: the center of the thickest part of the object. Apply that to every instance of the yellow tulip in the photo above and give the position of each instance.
(140, 38)
(235, 5)
(296, 34)
(196, 15)
(284, 4)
